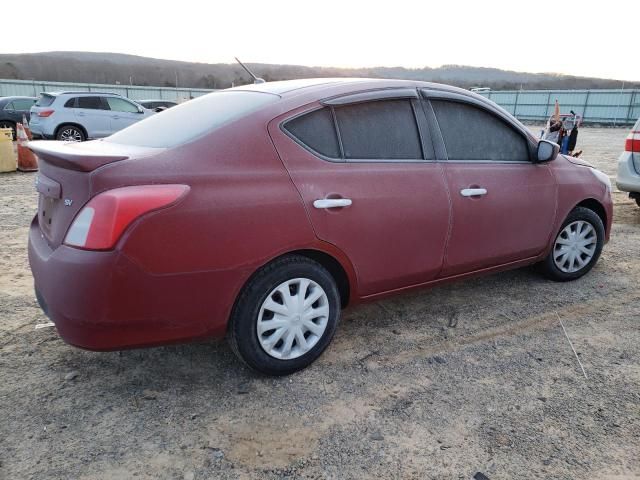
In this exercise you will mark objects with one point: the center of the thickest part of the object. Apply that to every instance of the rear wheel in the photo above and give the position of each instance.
(70, 133)
(11, 125)
(285, 317)
(577, 246)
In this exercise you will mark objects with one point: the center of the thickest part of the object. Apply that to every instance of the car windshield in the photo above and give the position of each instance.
(45, 100)
(190, 120)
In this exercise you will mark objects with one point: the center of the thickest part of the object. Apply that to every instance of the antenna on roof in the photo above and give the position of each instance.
(255, 79)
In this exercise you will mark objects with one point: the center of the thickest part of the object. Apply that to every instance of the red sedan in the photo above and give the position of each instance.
(259, 212)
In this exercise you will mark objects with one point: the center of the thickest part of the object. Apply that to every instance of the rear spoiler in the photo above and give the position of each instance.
(85, 156)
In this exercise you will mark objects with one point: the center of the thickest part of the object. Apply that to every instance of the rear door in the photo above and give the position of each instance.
(372, 154)
(123, 113)
(503, 204)
(92, 113)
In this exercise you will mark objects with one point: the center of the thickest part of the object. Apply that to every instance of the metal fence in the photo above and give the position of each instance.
(33, 88)
(607, 107)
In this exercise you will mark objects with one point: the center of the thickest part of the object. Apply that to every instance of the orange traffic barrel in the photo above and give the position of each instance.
(27, 161)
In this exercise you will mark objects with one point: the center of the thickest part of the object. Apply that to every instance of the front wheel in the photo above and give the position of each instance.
(285, 316)
(577, 246)
(70, 133)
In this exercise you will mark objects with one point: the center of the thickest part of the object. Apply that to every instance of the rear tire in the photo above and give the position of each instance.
(577, 246)
(301, 298)
(638, 201)
(70, 133)
(11, 125)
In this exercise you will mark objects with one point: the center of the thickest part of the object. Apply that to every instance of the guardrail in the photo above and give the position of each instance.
(33, 88)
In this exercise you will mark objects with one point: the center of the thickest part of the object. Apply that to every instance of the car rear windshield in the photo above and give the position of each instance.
(192, 119)
(45, 100)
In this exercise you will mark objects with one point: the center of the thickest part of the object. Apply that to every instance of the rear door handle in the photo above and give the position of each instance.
(332, 202)
(473, 192)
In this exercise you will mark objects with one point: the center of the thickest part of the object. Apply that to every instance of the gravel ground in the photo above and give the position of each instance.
(444, 383)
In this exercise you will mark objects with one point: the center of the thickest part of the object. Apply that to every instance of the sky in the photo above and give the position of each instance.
(585, 38)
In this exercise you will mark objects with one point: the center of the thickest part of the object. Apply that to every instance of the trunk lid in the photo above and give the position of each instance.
(64, 182)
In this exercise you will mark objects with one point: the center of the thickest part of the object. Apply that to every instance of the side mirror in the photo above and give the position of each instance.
(547, 151)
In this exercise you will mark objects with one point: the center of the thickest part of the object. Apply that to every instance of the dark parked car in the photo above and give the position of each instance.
(287, 201)
(157, 104)
(12, 109)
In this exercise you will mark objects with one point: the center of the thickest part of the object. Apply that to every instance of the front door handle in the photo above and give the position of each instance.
(332, 202)
(473, 192)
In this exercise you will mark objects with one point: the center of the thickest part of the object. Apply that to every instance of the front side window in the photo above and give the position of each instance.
(121, 105)
(23, 105)
(471, 133)
(379, 130)
(92, 103)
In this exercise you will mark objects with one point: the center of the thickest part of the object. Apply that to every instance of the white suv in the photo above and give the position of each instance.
(78, 116)
(629, 165)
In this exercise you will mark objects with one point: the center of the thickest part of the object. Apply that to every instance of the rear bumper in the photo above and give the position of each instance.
(105, 301)
(628, 179)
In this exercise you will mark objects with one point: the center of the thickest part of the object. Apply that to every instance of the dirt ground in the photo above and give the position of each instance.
(440, 384)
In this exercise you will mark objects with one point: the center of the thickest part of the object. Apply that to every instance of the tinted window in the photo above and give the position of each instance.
(379, 130)
(71, 103)
(45, 100)
(471, 133)
(121, 105)
(23, 104)
(9, 106)
(317, 131)
(93, 103)
(211, 111)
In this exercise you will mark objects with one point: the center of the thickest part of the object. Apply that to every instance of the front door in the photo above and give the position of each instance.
(123, 113)
(503, 204)
(370, 187)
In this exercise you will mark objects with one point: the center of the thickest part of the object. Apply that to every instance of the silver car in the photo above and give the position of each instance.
(628, 179)
(79, 116)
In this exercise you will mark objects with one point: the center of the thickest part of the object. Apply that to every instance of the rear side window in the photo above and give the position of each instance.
(379, 130)
(202, 115)
(9, 106)
(317, 131)
(92, 103)
(71, 103)
(471, 133)
(45, 100)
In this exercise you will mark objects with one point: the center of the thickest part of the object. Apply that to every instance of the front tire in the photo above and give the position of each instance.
(70, 133)
(577, 246)
(285, 317)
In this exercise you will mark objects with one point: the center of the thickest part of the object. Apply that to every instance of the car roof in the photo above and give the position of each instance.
(16, 97)
(308, 85)
(55, 94)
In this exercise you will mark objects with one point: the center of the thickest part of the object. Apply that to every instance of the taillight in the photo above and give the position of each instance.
(45, 113)
(632, 143)
(102, 221)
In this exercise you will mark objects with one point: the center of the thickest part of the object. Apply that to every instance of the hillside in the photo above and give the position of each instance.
(119, 68)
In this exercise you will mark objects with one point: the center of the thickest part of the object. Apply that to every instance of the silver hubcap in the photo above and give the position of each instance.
(70, 135)
(575, 246)
(293, 318)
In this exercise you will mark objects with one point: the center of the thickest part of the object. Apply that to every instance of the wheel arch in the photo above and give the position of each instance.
(71, 124)
(595, 206)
